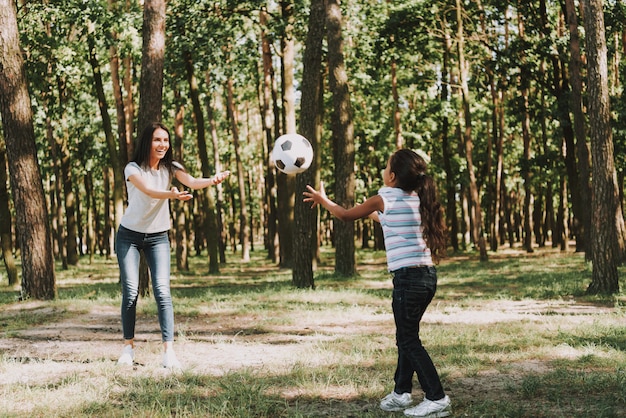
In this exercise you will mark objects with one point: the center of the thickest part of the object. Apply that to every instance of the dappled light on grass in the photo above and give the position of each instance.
(516, 328)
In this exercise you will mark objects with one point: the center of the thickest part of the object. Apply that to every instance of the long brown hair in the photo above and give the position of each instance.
(410, 170)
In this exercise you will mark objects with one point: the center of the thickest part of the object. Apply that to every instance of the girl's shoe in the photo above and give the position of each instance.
(394, 402)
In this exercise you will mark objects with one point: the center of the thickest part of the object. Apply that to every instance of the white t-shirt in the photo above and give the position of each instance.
(145, 214)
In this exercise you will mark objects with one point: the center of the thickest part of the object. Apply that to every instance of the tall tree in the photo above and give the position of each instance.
(31, 211)
(152, 59)
(524, 87)
(286, 185)
(117, 156)
(244, 227)
(606, 213)
(151, 86)
(582, 150)
(6, 236)
(343, 139)
(208, 203)
(268, 123)
(474, 195)
(305, 219)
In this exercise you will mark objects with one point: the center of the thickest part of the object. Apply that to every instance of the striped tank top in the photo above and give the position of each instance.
(402, 228)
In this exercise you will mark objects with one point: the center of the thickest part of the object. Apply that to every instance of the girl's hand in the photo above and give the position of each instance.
(220, 177)
(314, 196)
(184, 195)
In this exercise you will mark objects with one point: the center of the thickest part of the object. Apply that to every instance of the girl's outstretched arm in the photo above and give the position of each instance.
(371, 205)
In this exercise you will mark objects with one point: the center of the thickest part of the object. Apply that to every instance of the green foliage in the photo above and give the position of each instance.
(222, 40)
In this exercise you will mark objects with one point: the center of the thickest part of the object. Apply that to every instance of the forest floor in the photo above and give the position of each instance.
(82, 341)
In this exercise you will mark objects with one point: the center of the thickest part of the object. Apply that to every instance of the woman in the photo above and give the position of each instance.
(144, 227)
(415, 237)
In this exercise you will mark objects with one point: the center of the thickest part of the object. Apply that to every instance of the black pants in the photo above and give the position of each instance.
(413, 289)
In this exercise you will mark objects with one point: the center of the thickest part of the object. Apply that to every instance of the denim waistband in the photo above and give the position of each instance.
(143, 234)
(411, 272)
(409, 268)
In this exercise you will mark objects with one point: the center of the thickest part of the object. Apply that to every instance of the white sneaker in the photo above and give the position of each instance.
(394, 402)
(430, 409)
(170, 361)
(128, 355)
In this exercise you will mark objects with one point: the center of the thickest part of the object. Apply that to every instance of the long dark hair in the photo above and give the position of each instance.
(410, 170)
(143, 146)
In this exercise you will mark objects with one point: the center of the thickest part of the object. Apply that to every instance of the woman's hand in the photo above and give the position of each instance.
(220, 177)
(184, 195)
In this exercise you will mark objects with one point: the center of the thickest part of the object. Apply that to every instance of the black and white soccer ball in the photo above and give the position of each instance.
(292, 153)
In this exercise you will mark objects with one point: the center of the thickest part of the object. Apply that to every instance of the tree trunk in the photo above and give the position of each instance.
(69, 202)
(475, 210)
(152, 58)
(151, 87)
(6, 228)
(562, 216)
(451, 216)
(56, 207)
(31, 212)
(607, 214)
(90, 209)
(219, 204)
(524, 81)
(287, 184)
(180, 208)
(244, 230)
(343, 140)
(576, 105)
(271, 241)
(208, 210)
(305, 219)
(108, 232)
(288, 48)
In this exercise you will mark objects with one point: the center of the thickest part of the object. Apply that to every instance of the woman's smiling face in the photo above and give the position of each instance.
(160, 145)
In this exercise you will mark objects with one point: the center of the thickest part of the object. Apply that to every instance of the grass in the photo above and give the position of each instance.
(513, 337)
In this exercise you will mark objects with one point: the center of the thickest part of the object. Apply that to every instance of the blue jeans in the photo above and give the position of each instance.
(156, 248)
(413, 289)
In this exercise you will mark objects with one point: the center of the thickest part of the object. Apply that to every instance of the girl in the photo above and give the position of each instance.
(415, 238)
(144, 227)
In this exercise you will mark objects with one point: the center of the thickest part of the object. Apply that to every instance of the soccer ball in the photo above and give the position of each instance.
(292, 153)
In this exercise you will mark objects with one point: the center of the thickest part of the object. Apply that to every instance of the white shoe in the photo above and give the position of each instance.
(394, 402)
(430, 409)
(170, 361)
(128, 355)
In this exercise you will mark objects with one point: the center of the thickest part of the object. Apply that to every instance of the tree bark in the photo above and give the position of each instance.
(219, 203)
(31, 211)
(576, 105)
(244, 229)
(151, 87)
(474, 209)
(606, 214)
(305, 219)
(524, 81)
(343, 140)
(6, 225)
(271, 239)
(181, 209)
(451, 216)
(208, 210)
(152, 58)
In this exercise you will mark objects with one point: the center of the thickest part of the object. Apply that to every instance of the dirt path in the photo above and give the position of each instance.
(216, 346)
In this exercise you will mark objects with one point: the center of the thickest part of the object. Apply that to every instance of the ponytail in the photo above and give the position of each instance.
(433, 219)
